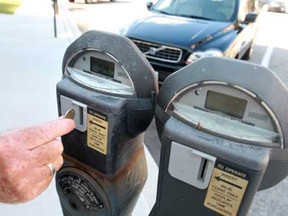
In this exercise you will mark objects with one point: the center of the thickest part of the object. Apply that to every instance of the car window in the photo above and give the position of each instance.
(219, 10)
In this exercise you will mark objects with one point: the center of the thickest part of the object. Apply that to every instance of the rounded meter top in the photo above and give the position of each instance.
(111, 64)
(227, 98)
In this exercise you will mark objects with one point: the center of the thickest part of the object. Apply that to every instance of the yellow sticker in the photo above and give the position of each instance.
(97, 132)
(225, 191)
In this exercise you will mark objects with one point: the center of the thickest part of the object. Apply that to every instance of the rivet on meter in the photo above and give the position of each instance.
(197, 92)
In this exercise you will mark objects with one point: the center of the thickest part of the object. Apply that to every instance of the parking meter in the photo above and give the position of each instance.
(223, 126)
(111, 87)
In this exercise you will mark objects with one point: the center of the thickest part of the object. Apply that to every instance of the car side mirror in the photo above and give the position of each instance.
(250, 18)
(149, 5)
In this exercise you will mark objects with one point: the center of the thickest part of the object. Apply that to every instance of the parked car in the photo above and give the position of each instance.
(274, 5)
(175, 33)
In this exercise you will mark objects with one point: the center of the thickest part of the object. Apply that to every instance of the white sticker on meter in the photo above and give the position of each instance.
(97, 133)
(226, 190)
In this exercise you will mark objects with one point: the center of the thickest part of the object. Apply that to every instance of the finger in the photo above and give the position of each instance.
(57, 163)
(45, 153)
(38, 135)
(44, 171)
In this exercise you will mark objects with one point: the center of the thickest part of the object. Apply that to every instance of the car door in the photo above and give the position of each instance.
(245, 31)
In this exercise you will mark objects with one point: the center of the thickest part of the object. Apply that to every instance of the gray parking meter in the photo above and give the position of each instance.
(223, 126)
(111, 87)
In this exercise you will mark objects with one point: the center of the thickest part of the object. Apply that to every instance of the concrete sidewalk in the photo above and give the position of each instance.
(31, 60)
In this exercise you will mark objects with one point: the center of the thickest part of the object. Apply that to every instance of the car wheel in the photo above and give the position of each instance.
(247, 55)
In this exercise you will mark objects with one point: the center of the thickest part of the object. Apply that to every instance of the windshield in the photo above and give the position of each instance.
(218, 10)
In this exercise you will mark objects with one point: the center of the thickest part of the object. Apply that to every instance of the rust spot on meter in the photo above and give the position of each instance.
(129, 178)
(198, 126)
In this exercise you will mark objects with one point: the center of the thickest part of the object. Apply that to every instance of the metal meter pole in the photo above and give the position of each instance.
(55, 12)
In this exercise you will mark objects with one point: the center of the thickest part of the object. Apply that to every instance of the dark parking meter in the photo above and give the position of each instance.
(223, 126)
(111, 87)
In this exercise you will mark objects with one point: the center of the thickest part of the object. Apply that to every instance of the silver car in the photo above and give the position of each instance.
(274, 5)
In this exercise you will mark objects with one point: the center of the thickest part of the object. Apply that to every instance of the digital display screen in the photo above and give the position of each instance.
(226, 104)
(102, 67)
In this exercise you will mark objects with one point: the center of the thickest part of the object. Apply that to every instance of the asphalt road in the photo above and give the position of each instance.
(271, 50)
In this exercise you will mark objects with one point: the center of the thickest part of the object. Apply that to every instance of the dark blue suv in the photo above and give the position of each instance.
(178, 32)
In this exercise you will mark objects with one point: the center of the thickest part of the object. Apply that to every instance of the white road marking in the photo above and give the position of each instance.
(267, 56)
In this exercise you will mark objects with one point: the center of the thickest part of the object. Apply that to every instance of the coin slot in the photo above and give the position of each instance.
(203, 169)
(181, 158)
(80, 117)
(81, 112)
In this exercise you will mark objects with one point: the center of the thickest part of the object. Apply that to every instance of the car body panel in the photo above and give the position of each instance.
(167, 30)
(232, 36)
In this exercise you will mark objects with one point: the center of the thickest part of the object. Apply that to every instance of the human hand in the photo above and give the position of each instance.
(24, 155)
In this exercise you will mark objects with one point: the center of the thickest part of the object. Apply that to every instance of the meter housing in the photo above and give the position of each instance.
(223, 129)
(112, 89)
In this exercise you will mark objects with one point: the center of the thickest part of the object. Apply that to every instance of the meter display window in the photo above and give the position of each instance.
(100, 71)
(226, 104)
(101, 66)
(227, 111)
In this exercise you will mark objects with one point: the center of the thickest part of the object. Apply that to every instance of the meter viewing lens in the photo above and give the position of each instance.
(101, 66)
(226, 104)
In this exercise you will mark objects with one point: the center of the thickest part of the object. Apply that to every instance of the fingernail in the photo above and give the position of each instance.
(70, 114)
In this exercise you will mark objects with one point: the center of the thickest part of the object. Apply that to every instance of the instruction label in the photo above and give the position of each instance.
(226, 190)
(97, 133)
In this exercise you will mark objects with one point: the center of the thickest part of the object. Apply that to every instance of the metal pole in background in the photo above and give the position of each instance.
(55, 8)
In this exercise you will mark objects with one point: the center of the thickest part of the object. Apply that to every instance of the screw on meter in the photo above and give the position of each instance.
(111, 87)
(223, 130)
